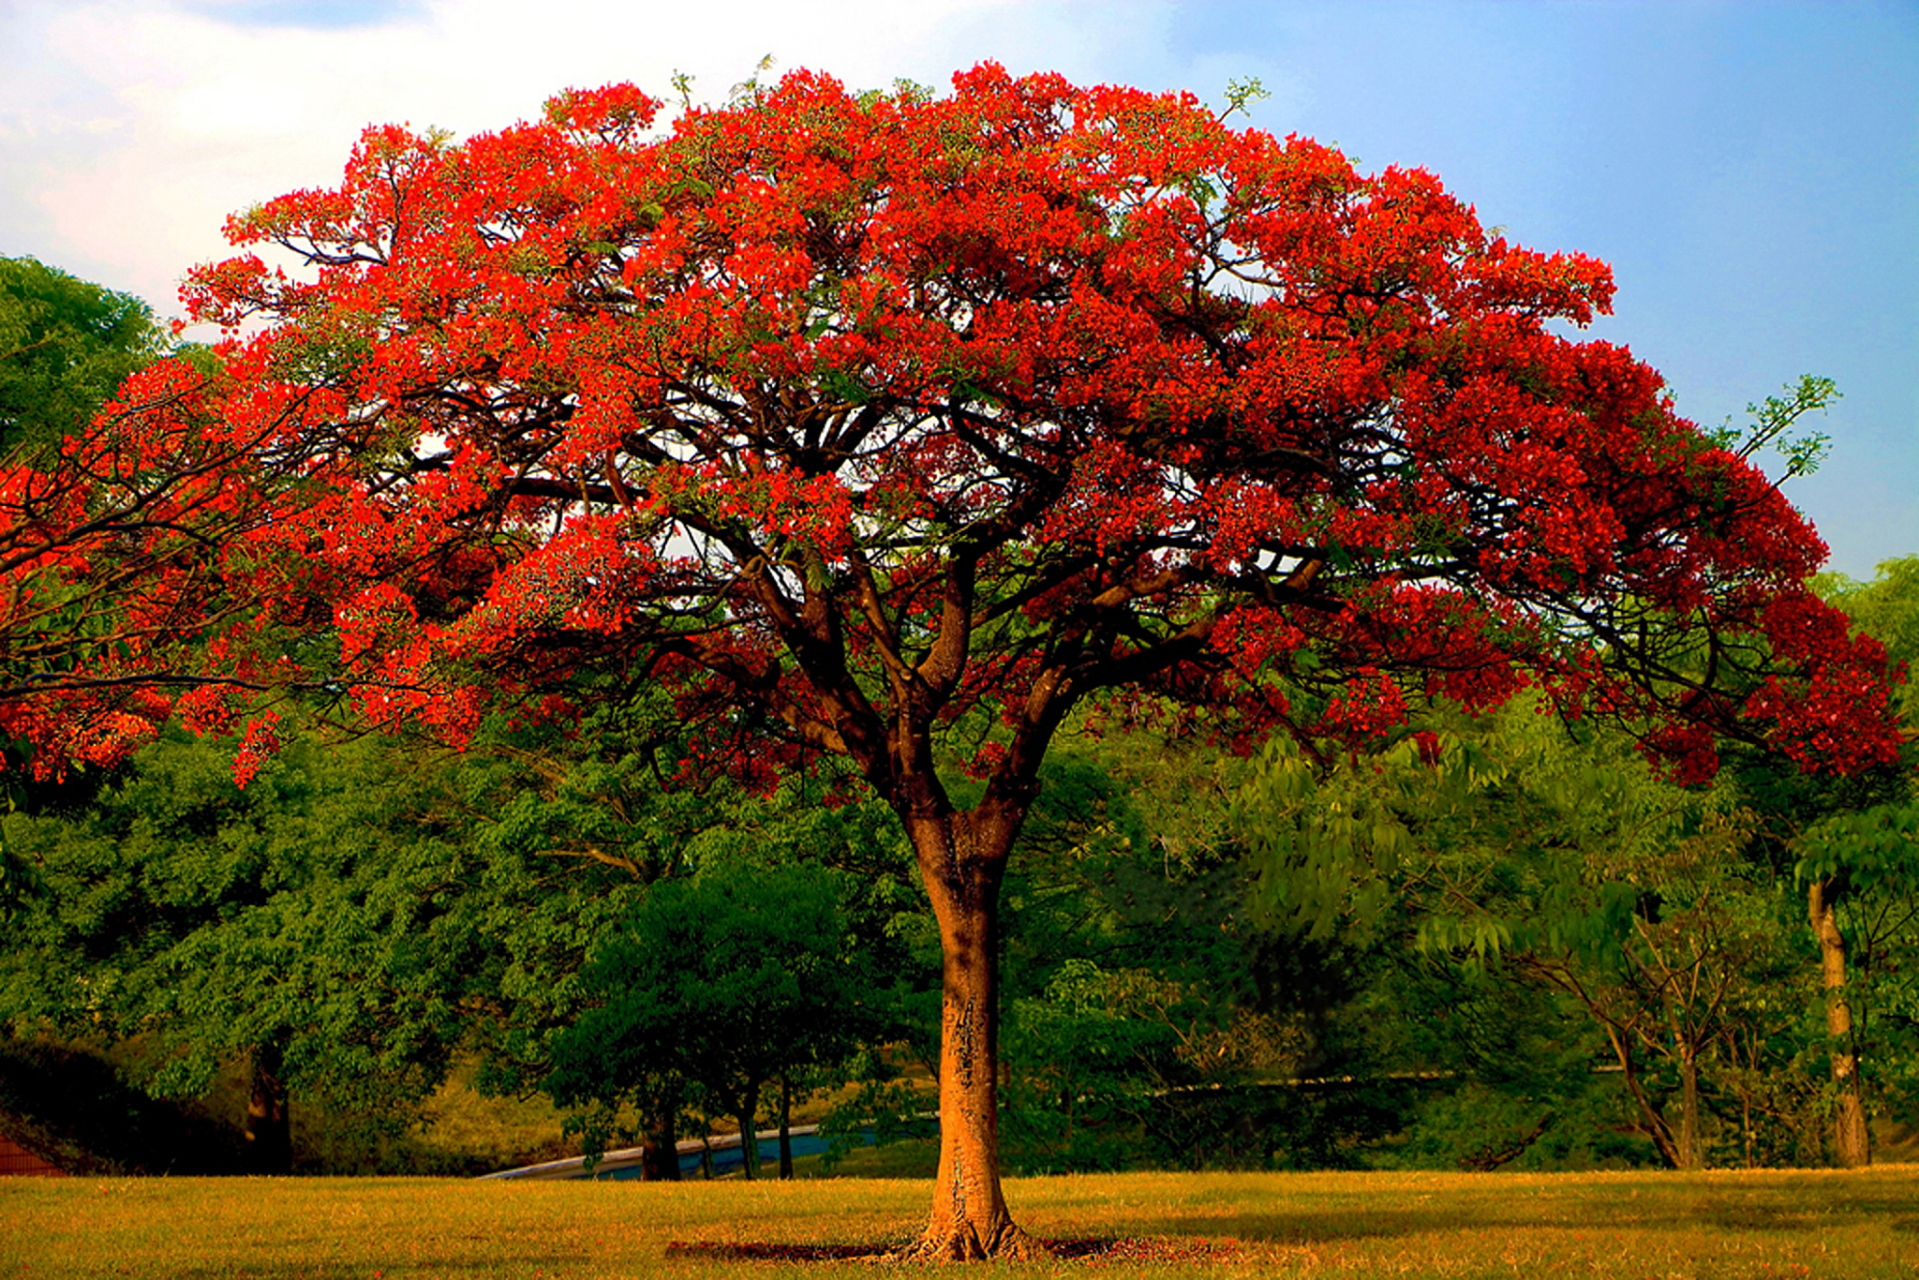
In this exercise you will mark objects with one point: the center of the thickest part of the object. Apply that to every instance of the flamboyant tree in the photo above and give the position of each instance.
(898, 426)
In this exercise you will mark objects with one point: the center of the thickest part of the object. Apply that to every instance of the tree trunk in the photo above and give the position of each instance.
(1851, 1143)
(962, 874)
(749, 1136)
(660, 1152)
(786, 1128)
(269, 1136)
(1689, 1157)
(1653, 1124)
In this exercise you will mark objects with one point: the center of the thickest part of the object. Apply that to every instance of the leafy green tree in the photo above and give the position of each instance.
(1861, 872)
(1151, 1019)
(1850, 844)
(1508, 844)
(1671, 970)
(112, 537)
(578, 828)
(65, 345)
(728, 981)
(313, 925)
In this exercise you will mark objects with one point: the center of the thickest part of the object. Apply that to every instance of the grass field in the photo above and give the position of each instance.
(1741, 1226)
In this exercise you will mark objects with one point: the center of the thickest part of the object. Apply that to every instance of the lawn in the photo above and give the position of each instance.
(1742, 1226)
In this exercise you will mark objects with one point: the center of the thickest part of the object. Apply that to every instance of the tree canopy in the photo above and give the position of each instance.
(850, 390)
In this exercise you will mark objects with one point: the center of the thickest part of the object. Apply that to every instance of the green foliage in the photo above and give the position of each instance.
(578, 829)
(1241, 94)
(1152, 1019)
(1517, 863)
(1776, 416)
(313, 913)
(1412, 958)
(722, 981)
(1868, 860)
(65, 345)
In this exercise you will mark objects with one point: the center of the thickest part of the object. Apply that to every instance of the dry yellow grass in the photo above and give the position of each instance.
(1739, 1226)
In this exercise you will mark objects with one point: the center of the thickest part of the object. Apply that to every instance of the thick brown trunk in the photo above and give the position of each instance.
(269, 1136)
(660, 1153)
(962, 874)
(1851, 1143)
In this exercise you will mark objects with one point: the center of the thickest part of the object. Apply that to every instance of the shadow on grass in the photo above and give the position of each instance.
(505, 1262)
(752, 1251)
(1127, 1249)
(1763, 1212)
(1756, 1217)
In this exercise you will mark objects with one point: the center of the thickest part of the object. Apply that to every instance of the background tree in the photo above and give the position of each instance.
(1519, 850)
(577, 821)
(316, 926)
(1847, 844)
(898, 426)
(65, 347)
(731, 981)
(124, 571)
(1861, 873)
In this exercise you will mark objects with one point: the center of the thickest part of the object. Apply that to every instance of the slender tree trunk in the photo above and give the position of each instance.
(1851, 1141)
(1745, 1120)
(749, 1137)
(269, 1136)
(1689, 1157)
(1654, 1126)
(962, 872)
(786, 1128)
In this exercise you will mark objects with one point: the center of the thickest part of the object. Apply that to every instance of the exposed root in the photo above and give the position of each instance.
(962, 1242)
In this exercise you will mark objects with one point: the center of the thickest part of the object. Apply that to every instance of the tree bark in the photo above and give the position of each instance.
(1851, 1141)
(962, 867)
(786, 1128)
(1654, 1124)
(269, 1135)
(660, 1152)
(749, 1136)
(1689, 1157)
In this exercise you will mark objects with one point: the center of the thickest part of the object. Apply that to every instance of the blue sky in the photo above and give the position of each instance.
(1750, 170)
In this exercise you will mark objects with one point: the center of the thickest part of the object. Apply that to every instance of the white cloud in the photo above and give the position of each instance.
(129, 129)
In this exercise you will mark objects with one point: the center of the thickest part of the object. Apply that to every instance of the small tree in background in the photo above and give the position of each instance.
(731, 981)
(896, 427)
